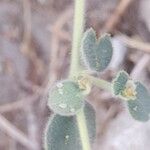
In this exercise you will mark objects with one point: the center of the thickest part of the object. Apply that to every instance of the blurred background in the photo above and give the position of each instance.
(35, 43)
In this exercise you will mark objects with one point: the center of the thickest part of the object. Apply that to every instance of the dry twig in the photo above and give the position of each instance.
(137, 44)
(26, 48)
(115, 17)
(15, 133)
(20, 103)
(32, 127)
(57, 33)
(139, 67)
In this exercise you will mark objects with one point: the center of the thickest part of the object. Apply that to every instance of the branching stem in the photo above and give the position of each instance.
(75, 67)
(81, 120)
(77, 35)
(100, 83)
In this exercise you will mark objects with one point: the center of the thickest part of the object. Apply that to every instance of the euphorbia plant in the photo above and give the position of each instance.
(72, 126)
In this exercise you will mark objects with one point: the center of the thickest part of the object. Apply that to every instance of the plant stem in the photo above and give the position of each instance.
(77, 35)
(83, 130)
(75, 66)
(100, 83)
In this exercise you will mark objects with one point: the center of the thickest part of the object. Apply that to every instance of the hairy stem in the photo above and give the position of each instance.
(75, 66)
(77, 35)
(100, 83)
(83, 130)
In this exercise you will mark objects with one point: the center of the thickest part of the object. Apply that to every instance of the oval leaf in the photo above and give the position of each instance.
(66, 98)
(136, 95)
(119, 82)
(62, 132)
(96, 54)
(140, 107)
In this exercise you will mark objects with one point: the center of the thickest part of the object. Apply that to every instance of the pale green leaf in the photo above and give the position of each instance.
(62, 131)
(66, 98)
(96, 54)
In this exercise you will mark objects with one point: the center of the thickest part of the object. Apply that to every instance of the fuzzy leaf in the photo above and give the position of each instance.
(136, 95)
(119, 82)
(140, 107)
(124, 87)
(66, 98)
(62, 132)
(96, 54)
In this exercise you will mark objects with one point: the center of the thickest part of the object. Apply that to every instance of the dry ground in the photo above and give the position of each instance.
(35, 42)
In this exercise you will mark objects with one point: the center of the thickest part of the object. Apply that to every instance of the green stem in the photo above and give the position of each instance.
(83, 130)
(77, 35)
(75, 66)
(100, 83)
